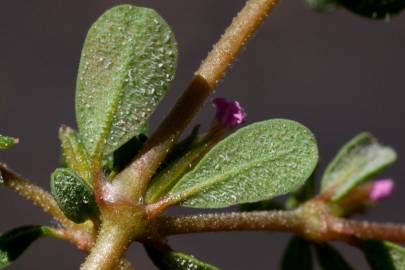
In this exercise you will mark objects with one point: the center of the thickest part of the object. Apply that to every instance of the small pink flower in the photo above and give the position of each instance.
(381, 189)
(229, 113)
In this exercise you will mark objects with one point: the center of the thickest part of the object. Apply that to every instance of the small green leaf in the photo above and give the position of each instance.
(171, 260)
(297, 255)
(73, 195)
(330, 259)
(358, 160)
(375, 9)
(7, 142)
(384, 255)
(258, 162)
(13, 243)
(128, 60)
(74, 154)
(322, 6)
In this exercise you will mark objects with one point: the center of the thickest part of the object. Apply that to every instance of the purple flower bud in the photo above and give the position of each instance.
(381, 189)
(229, 113)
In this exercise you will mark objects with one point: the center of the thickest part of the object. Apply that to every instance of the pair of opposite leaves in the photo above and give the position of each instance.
(128, 60)
(120, 60)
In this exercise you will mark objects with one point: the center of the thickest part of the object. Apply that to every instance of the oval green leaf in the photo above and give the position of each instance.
(74, 196)
(258, 162)
(13, 243)
(172, 260)
(384, 255)
(128, 60)
(7, 142)
(297, 255)
(358, 160)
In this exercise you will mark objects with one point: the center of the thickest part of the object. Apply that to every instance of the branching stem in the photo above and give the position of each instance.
(139, 173)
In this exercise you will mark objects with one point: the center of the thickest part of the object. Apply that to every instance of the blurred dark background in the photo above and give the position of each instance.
(338, 74)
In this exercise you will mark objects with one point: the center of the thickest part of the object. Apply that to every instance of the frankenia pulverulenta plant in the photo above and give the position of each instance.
(117, 177)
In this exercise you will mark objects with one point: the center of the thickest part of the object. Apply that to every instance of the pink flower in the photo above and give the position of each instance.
(229, 113)
(381, 189)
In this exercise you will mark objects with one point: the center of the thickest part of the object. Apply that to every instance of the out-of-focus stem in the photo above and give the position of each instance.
(136, 177)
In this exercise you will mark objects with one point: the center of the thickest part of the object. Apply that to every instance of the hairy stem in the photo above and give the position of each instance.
(282, 221)
(371, 230)
(84, 241)
(285, 221)
(81, 240)
(110, 246)
(139, 173)
(120, 225)
(36, 195)
(233, 40)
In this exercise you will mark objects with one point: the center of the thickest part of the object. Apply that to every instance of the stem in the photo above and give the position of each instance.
(136, 177)
(233, 40)
(285, 221)
(110, 246)
(371, 230)
(120, 225)
(81, 240)
(36, 195)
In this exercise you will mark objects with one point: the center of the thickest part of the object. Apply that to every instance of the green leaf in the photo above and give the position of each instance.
(74, 154)
(73, 195)
(322, 6)
(258, 162)
(13, 243)
(297, 255)
(375, 9)
(7, 142)
(128, 60)
(358, 160)
(384, 255)
(330, 259)
(166, 259)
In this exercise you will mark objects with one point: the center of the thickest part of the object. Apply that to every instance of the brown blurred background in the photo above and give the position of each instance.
(338, 74)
